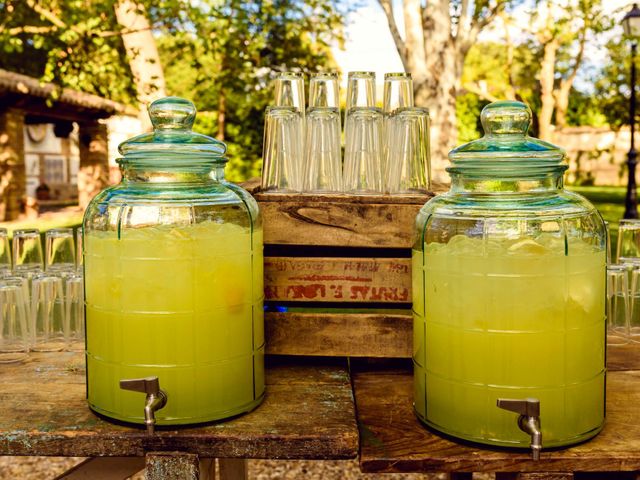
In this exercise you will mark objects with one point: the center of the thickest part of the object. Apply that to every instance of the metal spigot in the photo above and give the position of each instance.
(156, 398)
(528, 421)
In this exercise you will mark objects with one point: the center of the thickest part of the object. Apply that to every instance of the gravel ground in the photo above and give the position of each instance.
(46, 468)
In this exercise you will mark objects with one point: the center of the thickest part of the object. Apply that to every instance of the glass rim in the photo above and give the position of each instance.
(286, 75)
(324, 76)
(617, 268)
(55, 232)
(397, 75)
(26, 232)
(361, 73)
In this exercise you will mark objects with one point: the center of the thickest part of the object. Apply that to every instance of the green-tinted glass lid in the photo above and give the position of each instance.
(505, 142)
(172, 119)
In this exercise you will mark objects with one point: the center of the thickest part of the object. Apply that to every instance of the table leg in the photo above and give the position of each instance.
(173, 465)
(232, 468)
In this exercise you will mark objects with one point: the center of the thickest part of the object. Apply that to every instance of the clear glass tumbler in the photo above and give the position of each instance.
(289, 91)
(48, 314)
(618, 304)
(79, 251)
(14, 320)
(74, 312)
(398, 91)
(409, 165)
(323, 159)
(282, 150)
(628, 240)
(60, 251)
(363, 155)
(5, 253)
(27, 252)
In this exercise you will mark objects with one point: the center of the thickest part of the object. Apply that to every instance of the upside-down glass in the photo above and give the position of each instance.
(74, 312)
(5, 253)
(628, 240)
(27, 252)
(323, 159)
(409, 165)
(48, 313)
(14, 330)
(618, 304)
(173, 279)
(509, 293)
(289, 91)
(363, 169)
(79, 251)
(282, 150)
(60, 251)
(398, 91)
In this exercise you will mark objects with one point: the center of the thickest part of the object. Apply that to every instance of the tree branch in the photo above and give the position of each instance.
(481, 92)
(478, 23)
(31, 29)
(46, 14)
(393, 28)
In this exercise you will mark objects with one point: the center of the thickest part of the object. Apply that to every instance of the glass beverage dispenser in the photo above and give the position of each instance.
(509, 295)
(173, 279)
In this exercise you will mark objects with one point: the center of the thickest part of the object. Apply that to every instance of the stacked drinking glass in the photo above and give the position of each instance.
(41, 297)
(385, 150)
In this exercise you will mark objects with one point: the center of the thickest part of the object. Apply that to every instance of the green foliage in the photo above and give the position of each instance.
(73, 43)
(612, 85)
(225, 54)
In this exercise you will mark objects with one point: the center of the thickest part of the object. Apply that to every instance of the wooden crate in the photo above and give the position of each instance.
(338, 273)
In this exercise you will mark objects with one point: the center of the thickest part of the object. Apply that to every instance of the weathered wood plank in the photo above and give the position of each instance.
(342, 224)
(172, 465)
(321, 279)
(104, 468)
(233, 469)
(385, 335)
(392, 439)
(623, 357)
(535, 476)
(401, 199)
(44, 412)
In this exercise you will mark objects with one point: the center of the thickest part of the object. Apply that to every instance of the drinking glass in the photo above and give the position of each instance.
(324, 91)
(47, 313)
(27, 252)
(409, 166)
(282, 149)
(628, 240)
(74, 312)
(363, 151)
(79, 251)
(323, 159)
(606, 226)
(289, 91)
(60, 256)
(361, 90)
(618, 305)
(5, 253)
(14, 321)
(398, 91)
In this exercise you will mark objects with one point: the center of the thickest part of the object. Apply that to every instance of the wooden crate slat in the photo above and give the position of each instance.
(321, 279)
(326, 223)
(393, 440)
(44, 412)
(379, 335)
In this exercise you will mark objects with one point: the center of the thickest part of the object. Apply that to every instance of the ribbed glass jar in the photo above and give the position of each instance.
(173, 279)
(509, 292)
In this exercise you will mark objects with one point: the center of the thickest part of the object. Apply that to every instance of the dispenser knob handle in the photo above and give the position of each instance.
(529, 407)
(148, 385)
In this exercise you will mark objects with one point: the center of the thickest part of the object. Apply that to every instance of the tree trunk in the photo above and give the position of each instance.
(547, 71)
(437, 83)
(562, 103)
(142, 53)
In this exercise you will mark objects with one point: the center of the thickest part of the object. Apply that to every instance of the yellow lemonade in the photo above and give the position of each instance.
(510, 319)
(183, 303)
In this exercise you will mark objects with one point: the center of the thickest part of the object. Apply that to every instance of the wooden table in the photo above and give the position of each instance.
(308, 413)
(393, 440)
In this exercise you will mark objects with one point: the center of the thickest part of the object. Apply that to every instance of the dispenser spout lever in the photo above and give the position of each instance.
(528, 419)
(156, 398)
